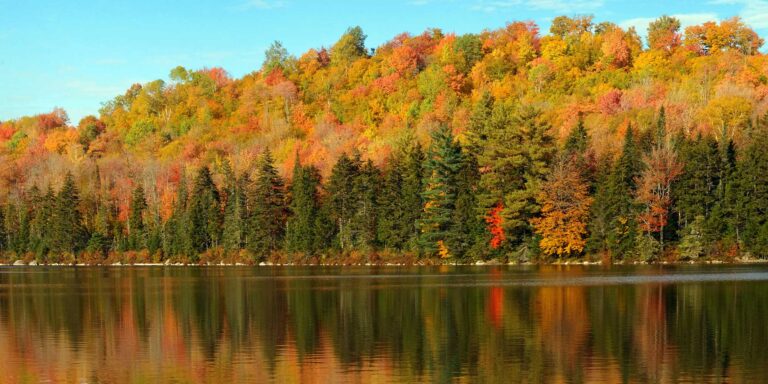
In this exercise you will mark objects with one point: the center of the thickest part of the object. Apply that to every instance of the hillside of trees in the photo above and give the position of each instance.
(586, 142)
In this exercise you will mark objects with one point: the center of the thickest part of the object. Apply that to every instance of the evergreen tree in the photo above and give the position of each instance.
(400, 199)
(268, 210)
(342, 200)
(391, 220)
(443, 165)
(749, 194)
(136, 228)
(178, 231)
(68, 232)
(235, 212)
(412, 192)
(467, 228)
(41, 224)
(204, 213)
(301, 231)
(613, 226)
(365, 219)
(516, 158)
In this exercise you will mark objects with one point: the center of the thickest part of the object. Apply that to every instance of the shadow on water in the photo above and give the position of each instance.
(570, 324)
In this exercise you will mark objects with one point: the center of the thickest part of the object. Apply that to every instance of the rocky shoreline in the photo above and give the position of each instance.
(33, 263)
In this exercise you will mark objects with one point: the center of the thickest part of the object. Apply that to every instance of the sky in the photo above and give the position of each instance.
(77, 54)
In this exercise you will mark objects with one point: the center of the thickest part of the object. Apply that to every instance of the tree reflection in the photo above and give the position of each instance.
(237, 325)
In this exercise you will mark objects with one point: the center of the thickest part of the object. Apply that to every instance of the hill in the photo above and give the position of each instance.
(506, 143)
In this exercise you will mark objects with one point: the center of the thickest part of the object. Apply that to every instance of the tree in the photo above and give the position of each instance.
(749, 194)
(514, 160)
(350, 46)
(234, 223)
(654, 190)
(613, 226)
(268, 210)
(664, 33)
(178, 229)
(301, 228)
(342, 201)
(136, 227)
(565, 204)
(68, 232)
(400, 198)
(365, 220)
(275, 57)
(204, 213)
(442, 168)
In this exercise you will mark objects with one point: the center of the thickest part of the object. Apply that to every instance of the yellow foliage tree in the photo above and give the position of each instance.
(565, 203)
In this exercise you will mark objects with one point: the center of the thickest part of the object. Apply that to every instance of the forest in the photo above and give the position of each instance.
(589, 142)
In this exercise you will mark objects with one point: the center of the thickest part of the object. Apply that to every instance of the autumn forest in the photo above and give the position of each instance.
(585, 142)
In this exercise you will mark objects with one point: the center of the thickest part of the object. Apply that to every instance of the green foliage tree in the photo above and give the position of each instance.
(204, 213)
(443, 166)
(136, 226)
(68, 232)
(301, 228)
(268, 210)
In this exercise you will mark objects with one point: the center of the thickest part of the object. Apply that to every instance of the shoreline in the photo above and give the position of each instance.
(491, 263)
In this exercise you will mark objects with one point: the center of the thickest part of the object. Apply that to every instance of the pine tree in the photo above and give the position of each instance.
(443, 165)
(268, 210)
(515, 158)
(204, 213)
(137, 235)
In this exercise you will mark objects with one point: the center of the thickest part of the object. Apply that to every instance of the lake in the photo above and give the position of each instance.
(494, 324)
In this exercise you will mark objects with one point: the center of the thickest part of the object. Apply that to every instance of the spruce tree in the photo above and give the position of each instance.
(178, 231)
(301, 233)
(234, 224)
(390, 201)
(136, 227)
(400, 198)
(204, 213)
(442, 168)
(342, 200)
(620, 195)
(268, 210)
(366, 189)
(68, 232)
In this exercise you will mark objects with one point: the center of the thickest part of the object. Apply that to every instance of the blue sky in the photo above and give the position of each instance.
(77, 54)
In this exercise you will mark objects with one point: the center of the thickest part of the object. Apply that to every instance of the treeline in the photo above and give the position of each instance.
(507, 191)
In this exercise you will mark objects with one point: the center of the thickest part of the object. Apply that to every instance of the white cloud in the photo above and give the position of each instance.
(260, 4)
(686, 19)
(92, 88)
(754, 12)
(559, 6)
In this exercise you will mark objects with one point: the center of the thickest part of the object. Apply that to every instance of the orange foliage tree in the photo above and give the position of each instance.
(565, 203)
(654, 189)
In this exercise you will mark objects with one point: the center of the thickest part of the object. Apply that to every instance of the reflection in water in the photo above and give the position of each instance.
(304, 325)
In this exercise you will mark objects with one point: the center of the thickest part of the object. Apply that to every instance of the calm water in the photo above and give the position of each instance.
(359, 325)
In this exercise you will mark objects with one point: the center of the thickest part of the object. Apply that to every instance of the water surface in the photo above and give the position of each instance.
(576, 324)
